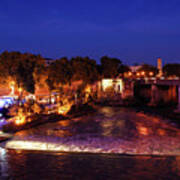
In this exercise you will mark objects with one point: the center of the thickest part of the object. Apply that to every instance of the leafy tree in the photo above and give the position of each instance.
(59, 73)
(84, 69)
(110, 66)
(147, 69)
(172, 69)
(20, 68)
(123, 68)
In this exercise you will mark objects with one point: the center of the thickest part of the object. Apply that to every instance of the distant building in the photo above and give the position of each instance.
(135, 68)
(114, 84)
(159, 67)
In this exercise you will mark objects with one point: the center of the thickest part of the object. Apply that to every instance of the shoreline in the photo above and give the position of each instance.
(84, 109)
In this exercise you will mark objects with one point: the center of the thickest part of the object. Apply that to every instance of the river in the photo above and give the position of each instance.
(113, 143)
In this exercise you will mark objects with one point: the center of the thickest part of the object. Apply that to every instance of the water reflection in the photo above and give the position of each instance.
(143, 130)
(33, 165)
(110, 130)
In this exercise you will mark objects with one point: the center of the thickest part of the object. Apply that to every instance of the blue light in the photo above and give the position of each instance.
(6, 101)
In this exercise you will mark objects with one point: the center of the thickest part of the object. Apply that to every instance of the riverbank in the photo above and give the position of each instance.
(38, 119)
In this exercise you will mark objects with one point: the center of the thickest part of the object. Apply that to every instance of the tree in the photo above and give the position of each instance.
(59, 73)
(110, 66)
(123, 68)
(172, 70)
(148, 70)
(20, 68)
(84, 69)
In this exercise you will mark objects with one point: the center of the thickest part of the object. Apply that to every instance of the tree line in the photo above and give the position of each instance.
(27, 70)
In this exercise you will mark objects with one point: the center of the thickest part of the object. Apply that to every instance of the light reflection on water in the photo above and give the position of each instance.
(44, 165)
(111, 130)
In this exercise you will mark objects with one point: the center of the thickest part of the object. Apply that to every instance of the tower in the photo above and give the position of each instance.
(159, 67)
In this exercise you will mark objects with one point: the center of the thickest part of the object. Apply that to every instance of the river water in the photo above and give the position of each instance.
(113, 143)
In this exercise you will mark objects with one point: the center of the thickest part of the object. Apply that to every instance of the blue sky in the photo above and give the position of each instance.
(133, 30)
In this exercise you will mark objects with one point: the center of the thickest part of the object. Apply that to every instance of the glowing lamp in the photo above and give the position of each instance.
(151, 73)
(129, 73)
(138, 74)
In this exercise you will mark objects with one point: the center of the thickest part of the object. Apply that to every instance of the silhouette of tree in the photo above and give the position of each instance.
(110, 67)
(172, 69)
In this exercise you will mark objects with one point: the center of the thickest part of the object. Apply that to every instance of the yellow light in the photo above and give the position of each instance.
(20, 89)
(142, 73)
(107, 83)
(64, 109)
(12, 84)
(20, 118)
(119, 85)
(88, 89)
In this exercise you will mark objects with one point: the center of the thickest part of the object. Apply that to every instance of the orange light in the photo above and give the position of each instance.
(129, 73)
(151, 73)
(161, 132)
(138, 74)
(143, 131)
(142, 73)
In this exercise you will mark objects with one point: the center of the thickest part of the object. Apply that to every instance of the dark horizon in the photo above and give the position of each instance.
(153, 62)
(136, 31)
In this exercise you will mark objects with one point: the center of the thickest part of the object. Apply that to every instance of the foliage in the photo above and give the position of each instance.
(123, 68)
(84, 69)
(172, 70)
(110, 67)
(20, 68)
(59, 73)
(147, 68)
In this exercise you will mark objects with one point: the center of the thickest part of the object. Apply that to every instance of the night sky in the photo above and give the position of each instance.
(133, 30)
